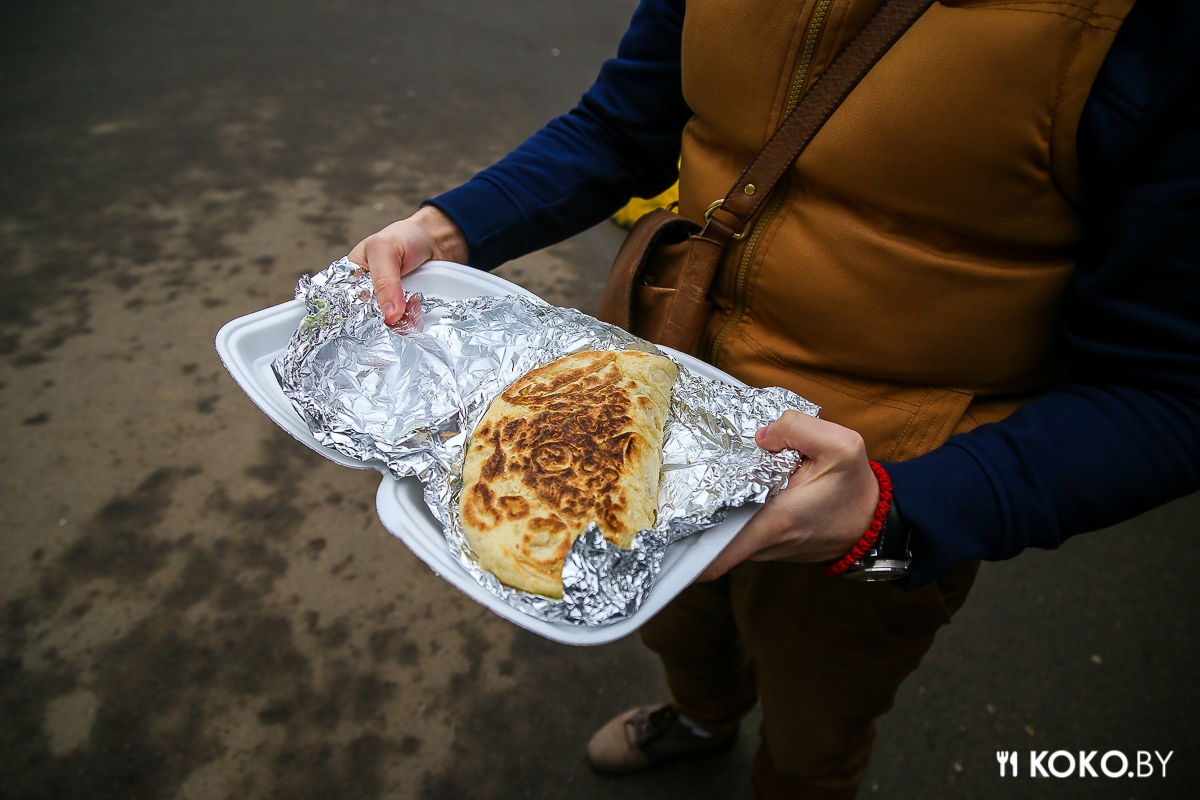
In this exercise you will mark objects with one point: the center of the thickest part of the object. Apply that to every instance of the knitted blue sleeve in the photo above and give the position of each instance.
(621, 141)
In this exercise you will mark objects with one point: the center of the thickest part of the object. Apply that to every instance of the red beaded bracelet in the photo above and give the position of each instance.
(868, 539)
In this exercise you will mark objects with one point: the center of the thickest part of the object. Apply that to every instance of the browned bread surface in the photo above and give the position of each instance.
(576, 441)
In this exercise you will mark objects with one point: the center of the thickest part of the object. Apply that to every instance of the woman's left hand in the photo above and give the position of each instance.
(827, 506)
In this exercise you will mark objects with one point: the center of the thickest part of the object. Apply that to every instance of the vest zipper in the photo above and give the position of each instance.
(781, 189)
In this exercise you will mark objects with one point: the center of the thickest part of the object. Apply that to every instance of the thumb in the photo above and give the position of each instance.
(808, 435)
(384, 257)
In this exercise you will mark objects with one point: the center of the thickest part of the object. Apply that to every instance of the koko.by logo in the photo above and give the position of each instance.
(1064, 764)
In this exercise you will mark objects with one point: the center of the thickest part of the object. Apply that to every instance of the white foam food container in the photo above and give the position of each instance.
(248, 345)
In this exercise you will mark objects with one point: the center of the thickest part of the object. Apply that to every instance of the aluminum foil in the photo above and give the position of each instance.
(409, 398)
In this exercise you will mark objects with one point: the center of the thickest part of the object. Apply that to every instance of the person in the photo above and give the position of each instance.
(985, 269)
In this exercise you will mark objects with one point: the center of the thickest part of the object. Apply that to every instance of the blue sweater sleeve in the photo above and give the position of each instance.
(1123, 435)
(621, 141)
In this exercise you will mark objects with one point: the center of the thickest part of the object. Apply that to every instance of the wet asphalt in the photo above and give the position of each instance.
(196, 606)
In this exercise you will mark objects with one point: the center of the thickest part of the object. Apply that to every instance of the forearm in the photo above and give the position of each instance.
(622, 140)
(1078, 459)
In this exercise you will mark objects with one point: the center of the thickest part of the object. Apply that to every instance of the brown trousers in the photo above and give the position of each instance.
(825, 655)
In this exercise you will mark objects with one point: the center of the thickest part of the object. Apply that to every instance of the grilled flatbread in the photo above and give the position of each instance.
(574, 442)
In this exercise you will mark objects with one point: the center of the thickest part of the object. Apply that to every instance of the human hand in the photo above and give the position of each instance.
(403, 246)
(827, 506)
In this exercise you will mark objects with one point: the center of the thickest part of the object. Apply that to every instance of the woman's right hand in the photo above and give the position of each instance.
(403, 246)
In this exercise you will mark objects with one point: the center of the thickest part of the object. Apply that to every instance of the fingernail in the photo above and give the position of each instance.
(387, 309)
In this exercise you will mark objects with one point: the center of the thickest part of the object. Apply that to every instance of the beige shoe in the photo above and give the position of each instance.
(642, 737)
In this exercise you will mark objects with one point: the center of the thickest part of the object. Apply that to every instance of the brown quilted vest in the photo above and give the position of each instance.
(907, 274)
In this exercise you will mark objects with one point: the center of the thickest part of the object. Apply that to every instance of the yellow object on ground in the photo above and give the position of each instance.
(638, 207)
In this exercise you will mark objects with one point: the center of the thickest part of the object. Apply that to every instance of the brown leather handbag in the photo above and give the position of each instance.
(658, 287)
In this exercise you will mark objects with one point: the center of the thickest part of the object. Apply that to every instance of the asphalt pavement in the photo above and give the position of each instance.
(197, 606)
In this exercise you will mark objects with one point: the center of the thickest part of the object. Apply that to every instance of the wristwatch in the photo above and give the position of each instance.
(891, 557)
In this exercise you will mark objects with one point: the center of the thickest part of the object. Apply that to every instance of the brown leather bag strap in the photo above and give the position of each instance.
(818, 104)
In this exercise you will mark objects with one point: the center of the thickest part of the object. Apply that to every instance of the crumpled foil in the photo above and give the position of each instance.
(410, 399)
